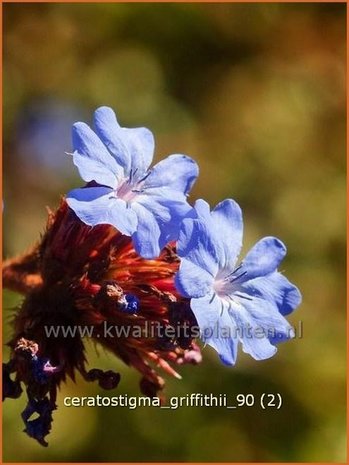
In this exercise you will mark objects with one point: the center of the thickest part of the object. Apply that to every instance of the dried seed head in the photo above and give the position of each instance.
(93, 277)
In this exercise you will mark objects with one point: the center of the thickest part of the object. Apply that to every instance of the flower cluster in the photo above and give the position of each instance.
(128, 250)
(150, 205)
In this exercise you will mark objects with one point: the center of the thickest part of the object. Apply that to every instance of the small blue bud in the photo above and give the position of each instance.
(130, 304)
(38, 371)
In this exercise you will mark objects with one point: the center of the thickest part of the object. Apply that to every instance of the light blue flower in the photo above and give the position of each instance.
(147, 204)
(232, 303)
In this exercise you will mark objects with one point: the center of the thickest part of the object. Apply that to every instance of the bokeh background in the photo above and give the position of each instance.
(256, 94)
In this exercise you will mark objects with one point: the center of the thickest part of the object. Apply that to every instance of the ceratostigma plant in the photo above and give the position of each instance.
(127, 257)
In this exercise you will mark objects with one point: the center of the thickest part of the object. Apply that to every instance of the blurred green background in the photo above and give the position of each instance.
(256, 94)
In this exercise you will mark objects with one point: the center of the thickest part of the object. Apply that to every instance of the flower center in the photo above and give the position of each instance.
(129, 188)
(127, 191)
(223, 288)
(227, 283)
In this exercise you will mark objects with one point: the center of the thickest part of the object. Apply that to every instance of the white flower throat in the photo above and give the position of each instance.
(227, 283)
(131, 187)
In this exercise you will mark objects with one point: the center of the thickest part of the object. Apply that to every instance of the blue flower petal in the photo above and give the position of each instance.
(177, 172)
(276, 288)
(227, 218)
(169, 208)
(192, 280)
(198, 243)
(90, 203)
(98, 205)
(263, 258)
(260, 348)
(133, 148)
(258, 322)
(266, 315)
(92, 159)
(206, 309)
(203, 211)
(227, 347)
(122, 217)
(277, 337)
(146, 237)
(165, 203)
(110, 133)
(217, 328)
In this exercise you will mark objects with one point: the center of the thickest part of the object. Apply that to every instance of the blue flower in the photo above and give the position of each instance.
(246, 302)
(147, 204)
